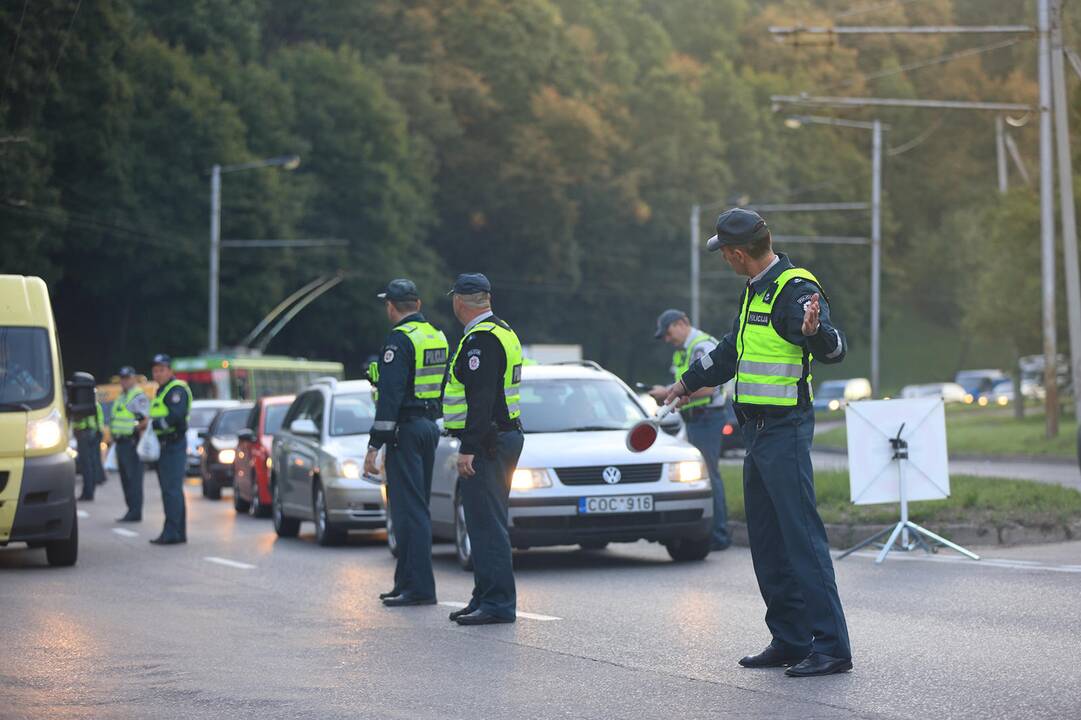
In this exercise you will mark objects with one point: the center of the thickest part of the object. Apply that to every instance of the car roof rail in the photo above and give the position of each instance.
(580, 363)
(326, 380)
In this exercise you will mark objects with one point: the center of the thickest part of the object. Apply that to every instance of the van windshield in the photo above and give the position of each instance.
(26, 369)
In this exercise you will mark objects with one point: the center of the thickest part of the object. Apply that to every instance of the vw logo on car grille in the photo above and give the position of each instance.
(612, 475)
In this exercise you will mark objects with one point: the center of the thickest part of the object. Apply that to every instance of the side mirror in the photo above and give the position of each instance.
(671, 423)
(82, 398)
(304, 426)
(204, 434)
(246, 435)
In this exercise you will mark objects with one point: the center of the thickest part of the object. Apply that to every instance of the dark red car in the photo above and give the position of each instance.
(251, 471)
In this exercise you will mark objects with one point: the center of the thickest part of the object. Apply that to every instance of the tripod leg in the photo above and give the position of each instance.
(889, 543)
(873, 539)
(943, 541)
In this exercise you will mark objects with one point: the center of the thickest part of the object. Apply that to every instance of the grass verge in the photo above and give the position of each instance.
(972, 500)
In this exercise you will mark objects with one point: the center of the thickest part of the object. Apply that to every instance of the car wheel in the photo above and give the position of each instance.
(241, 505)
(256, 508)
(64, 553)
(326, 533)
(283, 525)
(461, 535)
(392, 539)
(689, 550)
(593, 545)
(211, 490)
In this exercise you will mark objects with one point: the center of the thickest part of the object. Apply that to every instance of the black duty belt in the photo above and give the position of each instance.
(510, 426)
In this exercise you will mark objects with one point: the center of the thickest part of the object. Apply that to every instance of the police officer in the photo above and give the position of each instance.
(703, 414)
(169, 413)
(409, 380)
(481, 408)
(784, 322)
(128, 420)
(88, 443)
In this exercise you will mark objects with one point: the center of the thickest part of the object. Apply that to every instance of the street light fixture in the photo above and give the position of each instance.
(286, 162)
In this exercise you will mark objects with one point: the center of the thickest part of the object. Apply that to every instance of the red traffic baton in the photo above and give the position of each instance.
(644, 433)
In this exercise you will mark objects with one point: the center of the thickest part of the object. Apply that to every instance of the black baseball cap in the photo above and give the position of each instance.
(127, 371)
(470, 283)
(399, 290)
(162, 359)
(665, 319)
(737, 226)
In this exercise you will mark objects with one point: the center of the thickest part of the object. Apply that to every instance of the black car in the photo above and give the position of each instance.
(219, 448)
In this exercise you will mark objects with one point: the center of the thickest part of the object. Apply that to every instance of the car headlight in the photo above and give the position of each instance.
(350, 469)
(270, 463)
(530, 479)
(835, 405)
(688, 471)
(982, 402)
(968, 398)
(44, 433)
(226, 456)
(1003, 400)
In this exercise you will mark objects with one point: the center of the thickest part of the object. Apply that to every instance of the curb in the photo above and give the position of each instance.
(1039, 459)
(845, 536)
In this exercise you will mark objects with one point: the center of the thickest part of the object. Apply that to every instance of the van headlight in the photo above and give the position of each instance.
(44, 433)
(226, 456)
(835, 405)
(350, 469)
(688, 471)
(530, 479)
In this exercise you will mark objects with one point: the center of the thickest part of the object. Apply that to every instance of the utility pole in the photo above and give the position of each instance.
(215, 257)
(1047, 222)
(876, 251)
(1066, 206)
(1000, 155)
(696, 265)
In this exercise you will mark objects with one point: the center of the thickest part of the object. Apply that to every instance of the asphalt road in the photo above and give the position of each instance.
(239, 624)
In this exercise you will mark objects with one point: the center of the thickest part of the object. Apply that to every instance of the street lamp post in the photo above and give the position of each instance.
(286, 162)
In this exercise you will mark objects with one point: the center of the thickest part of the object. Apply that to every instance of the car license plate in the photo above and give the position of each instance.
(615, 504)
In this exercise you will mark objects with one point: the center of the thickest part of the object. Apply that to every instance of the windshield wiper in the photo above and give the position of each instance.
(15, 406)
(594, 428)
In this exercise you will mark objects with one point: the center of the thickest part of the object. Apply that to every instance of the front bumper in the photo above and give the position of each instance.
(545, 521)
(355, 504)
(46, 508)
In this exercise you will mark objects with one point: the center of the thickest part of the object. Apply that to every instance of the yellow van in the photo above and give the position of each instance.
(37, 475)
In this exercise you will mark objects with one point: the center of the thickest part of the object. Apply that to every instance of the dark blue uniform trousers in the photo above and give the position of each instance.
(788, 541)
(171, 466)
(485, 498)
(131, 476)
(409, 489)
(704, 432)
(88, 444)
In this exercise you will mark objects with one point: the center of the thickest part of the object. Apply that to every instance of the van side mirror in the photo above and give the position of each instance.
(304, 426)
(82, 397)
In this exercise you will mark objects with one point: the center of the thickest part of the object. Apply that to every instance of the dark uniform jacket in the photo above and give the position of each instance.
(480, 367)
(397, 399)
(176, 401)
(828, 345)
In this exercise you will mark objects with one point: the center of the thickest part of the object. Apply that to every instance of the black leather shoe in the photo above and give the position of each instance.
(463, 612)
(392, 594)
(479, 617)
(819, 664)
(167, 541)
(128, 518)
(404, 601)
(771, 657)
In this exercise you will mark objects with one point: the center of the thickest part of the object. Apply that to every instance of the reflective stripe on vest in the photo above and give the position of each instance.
(681, 362)
(455, 408)
(158, 408)
(769, 367)
(430, 354)
(92, 422)
(122, 422)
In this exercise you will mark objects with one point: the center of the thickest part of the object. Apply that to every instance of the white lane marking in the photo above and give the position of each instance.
(83, 514)
(519, 613)
(230, 563)
(125, 532)
(984, 562)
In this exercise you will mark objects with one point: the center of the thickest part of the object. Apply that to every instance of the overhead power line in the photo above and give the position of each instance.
(941, 59)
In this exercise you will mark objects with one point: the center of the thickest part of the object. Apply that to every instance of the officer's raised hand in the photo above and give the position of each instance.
(811, 310)
(677, 391)
(465, 466)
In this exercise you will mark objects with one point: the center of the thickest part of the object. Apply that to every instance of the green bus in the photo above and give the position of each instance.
(248, 377)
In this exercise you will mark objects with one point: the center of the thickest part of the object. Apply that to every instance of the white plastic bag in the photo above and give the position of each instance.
(148, 449)
(110, 459)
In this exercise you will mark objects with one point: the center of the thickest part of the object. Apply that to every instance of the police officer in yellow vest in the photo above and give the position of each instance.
(169, 412)
(703, 415)
(128, 419)
(783, 324)
(481, 409)
(409, 378)
(88, 443)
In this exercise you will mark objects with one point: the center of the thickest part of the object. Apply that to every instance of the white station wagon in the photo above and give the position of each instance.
(577, 483)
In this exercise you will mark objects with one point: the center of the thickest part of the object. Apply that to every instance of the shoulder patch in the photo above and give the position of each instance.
(805, 298)
(388, 356)
(474, 362)
(174, 396)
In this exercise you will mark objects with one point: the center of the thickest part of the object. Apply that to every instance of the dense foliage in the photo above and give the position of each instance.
(556, 145)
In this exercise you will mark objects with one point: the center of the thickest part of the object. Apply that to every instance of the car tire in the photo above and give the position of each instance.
(241, 505)
(211, 490)
(326, 533)
(64, 553)
(462, 546)
(688, 549)
(392, 539)
(285, 526)
(256, 508)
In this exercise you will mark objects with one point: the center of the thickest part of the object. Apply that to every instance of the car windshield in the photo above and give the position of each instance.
(352, 414)
(232, 421)
(830, 391)
(201, 417)
(577, 405)
(274, 416)
(26, 369)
